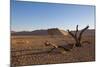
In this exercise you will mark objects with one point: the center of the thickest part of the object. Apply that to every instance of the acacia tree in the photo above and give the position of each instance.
(77, 37)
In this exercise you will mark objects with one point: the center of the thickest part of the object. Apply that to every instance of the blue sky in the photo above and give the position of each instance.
(28, 16)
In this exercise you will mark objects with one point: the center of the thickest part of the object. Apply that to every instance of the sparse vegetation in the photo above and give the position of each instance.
(77, 37)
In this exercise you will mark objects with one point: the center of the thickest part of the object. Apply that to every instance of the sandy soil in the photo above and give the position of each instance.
(30, 50)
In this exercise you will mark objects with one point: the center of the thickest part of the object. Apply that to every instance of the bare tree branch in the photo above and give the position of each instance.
(76, 37)
(80, 35)
(71, 34)
(76, 31)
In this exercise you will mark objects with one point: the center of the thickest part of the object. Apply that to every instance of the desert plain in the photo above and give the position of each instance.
(30, 49)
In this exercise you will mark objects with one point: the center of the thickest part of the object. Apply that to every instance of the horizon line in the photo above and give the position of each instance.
(47, 29)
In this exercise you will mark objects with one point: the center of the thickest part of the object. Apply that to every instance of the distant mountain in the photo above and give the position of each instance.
(89, 32)
(13, 32)
(36, 32)
(45, 32)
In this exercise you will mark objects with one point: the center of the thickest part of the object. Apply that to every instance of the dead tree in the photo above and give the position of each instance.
(66, 47)
(77, 37)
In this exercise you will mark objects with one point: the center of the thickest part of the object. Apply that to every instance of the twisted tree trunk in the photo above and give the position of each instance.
(76, 37)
